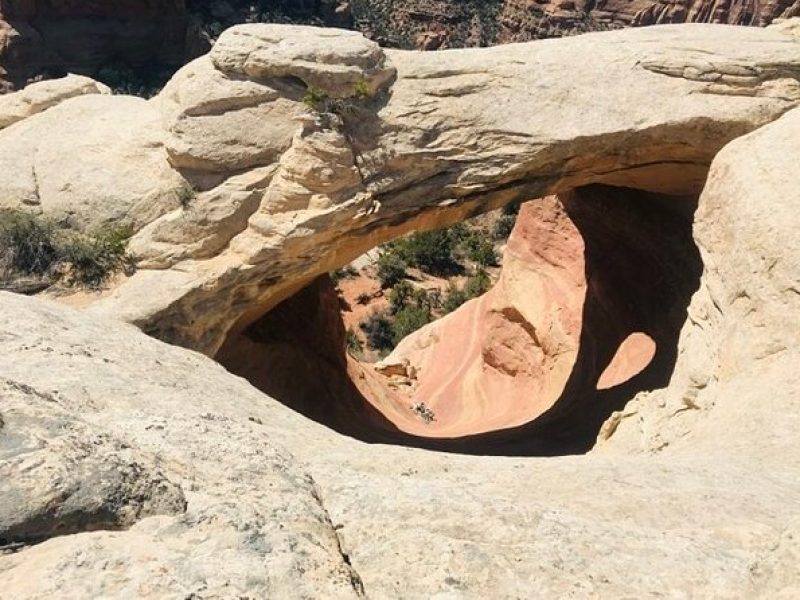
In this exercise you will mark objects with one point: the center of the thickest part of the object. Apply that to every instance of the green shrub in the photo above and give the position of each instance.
(378, 329)
(407, 320)
(400, 295)
(354, 345)
(504, 226)
(27, 243)
(475, 286)
(315, 99)
(361, 89)
(391, 268)
(33, 246)
(478, 284)
(346, 272)
(481, 251)
(185, 195)
(92, 259)
(453, 298)
(508, 218)
(429, 251)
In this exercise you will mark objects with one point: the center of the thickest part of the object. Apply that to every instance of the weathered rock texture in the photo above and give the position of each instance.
(742, 324)
(184, 487)
(38, 97)
(693, 492)
(120, 479)
(282, 194)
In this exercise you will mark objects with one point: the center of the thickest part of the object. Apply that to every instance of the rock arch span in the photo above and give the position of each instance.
(240, 194)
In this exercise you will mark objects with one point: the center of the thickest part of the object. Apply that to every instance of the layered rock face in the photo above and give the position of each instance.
(246, 195)
(131, 468)
(145, 41)
(522, 20)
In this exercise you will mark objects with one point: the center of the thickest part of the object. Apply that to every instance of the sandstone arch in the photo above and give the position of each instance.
(241, 194)
(280, 201)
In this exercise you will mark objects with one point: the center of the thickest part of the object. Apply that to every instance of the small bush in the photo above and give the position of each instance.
(31, 246)
(475, 286)
(361, 90)
(363, 298)
(424, 412)
(505, 224)
(354, 345)
(453, 298)
(429, 251)
(378, 330)
(478, 284)
(400, 296)
(315, 99)
(93, 259)
(481, 251)
(408, 320)
(27, 243)
(391, 269)
(346, 272)
(185, 195)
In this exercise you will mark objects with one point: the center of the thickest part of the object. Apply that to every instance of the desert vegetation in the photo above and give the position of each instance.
(35, 253)
(420, 278)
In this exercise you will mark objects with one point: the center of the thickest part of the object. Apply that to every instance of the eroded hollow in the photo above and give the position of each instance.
(587, 313)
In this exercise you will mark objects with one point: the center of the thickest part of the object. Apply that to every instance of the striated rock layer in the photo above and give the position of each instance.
(240, 195)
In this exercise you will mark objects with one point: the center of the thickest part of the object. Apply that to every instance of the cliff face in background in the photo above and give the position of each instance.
(48, 37)
(136, 44)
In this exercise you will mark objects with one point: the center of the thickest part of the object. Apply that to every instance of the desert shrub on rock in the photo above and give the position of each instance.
(33, 249)
(391, 268)
(378, 330)
(475, 286)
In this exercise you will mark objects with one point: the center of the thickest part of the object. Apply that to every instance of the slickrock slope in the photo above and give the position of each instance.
(282, 194)
(132, 469)
(710, 510)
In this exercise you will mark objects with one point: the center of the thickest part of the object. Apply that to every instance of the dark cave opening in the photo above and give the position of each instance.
(641, 270)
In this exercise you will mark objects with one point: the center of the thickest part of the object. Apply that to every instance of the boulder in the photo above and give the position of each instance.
(40, 96)
(89, 161)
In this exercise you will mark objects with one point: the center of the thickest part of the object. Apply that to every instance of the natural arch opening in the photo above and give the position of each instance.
(587, 314)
